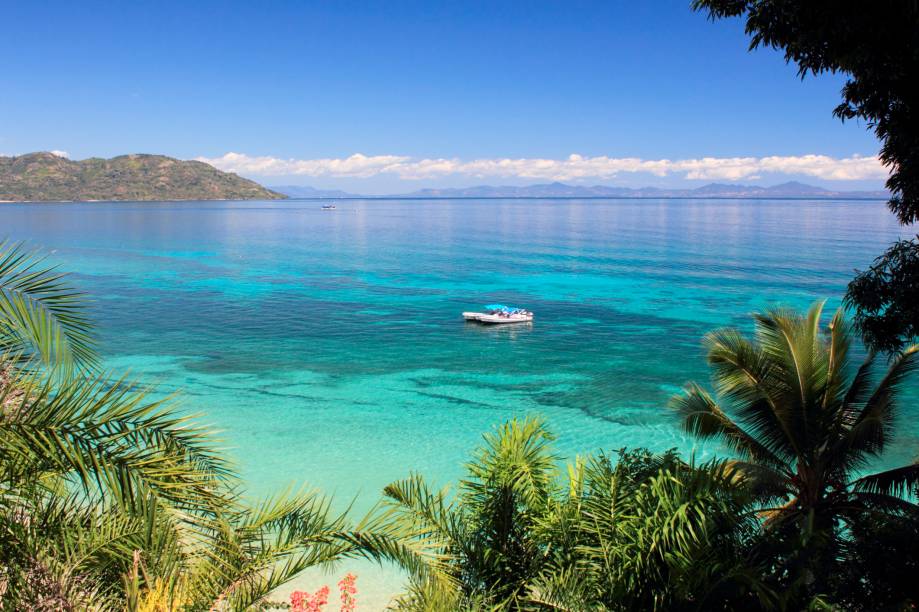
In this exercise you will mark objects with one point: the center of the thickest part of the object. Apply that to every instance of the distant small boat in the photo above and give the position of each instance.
(499, 314)
(328, 207)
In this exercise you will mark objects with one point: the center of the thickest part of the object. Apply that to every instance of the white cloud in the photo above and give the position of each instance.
(64, 154)
(357, 165)
(574, 167)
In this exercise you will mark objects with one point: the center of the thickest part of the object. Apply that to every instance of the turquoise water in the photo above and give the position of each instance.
(328, 345)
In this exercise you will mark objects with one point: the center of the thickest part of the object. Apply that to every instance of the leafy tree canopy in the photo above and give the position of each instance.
(886, 297)
(877, 45)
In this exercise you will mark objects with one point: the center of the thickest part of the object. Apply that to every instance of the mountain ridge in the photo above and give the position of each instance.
(48, 177)
(303, 191)
(790, 189)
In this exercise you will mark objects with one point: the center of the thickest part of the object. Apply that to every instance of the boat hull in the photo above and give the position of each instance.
(492, 319)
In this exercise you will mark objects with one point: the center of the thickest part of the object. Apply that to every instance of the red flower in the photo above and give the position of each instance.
(348, 591)
(304, 602)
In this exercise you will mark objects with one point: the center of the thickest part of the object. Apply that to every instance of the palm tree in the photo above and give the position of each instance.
(644, 532)
(83, 456)
(652, 532)
(112, 501)
(480, 545)
(88, 465)
(804, 427)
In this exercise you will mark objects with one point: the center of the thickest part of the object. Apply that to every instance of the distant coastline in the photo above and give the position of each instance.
(561, 191)
(383, 198)
(48, 178)
(598, 198)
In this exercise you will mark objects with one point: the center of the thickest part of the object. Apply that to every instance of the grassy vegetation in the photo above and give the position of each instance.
(42, 177)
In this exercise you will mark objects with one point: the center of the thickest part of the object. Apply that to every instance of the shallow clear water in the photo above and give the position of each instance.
(328, 345)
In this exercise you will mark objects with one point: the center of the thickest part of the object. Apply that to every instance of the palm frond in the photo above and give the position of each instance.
(766, 484)
(872, 427)
(105, 435)
(749, 377)
(41, 314)
(426, 514)
(798, 370)
(859, 390)
(703, 417)
(897, 482)
(675, 537)
(518, 456)
(256, 549)
(82, 547)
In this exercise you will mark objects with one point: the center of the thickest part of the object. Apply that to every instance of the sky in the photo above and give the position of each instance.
(387, 97)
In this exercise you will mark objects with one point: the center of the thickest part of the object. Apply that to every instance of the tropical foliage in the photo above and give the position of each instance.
(482, 540)
(805, 427)
(885, 295)
(642, 531)
(795, 519)
(112, 500)
(651, 532)
(41, 316)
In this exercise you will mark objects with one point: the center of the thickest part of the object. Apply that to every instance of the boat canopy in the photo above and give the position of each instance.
(503, 308)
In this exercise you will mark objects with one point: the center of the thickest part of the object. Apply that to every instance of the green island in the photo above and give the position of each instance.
(46, 177)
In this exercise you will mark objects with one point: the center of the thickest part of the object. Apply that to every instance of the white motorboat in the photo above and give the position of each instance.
(498, 314)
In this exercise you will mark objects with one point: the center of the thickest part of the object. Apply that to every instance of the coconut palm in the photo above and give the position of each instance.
(805, 426)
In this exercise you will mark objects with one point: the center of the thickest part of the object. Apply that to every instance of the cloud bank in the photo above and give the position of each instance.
(572, 168)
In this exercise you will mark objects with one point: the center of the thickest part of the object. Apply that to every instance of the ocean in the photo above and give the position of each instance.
(328, 346)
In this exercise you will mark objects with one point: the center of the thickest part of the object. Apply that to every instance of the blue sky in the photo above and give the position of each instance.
(430, 94)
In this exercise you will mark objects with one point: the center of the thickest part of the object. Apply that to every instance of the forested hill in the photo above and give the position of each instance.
(42, 177)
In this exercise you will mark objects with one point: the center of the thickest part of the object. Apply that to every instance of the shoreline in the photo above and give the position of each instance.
(751, 198)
